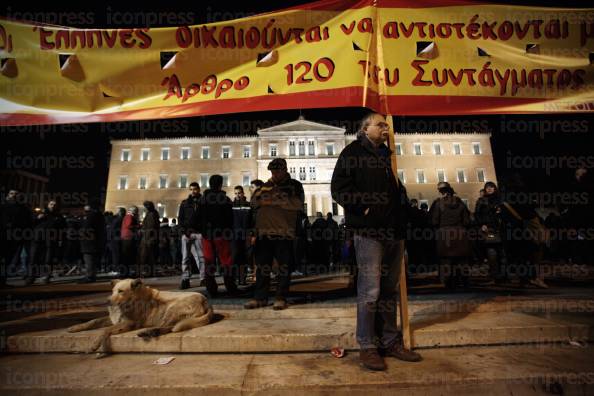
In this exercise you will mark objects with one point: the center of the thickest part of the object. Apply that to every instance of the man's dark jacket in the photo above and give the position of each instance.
(188, 217)
(363, 179)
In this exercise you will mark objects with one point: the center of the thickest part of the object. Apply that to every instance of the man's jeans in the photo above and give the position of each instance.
(192, 245)
(379, 264)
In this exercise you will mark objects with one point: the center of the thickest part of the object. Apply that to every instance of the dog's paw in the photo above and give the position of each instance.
(74, 329)
(148, 334)
(101, 355)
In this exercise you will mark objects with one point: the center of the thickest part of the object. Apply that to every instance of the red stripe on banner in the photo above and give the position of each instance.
(340, 97)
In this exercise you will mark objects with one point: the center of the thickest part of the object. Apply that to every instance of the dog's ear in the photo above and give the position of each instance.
(114, 282)
(136, 283)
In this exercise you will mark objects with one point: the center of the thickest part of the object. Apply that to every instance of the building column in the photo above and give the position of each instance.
(309, 200)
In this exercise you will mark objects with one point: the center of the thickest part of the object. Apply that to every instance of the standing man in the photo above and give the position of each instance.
(241, 225)
(92, 241)
(277, 204)
(216, 213)
(375, 205)
(16, 218)
(149, 242)
(191, 231)
(129, 235)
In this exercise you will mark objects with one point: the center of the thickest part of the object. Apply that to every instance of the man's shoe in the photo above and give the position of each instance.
(371, 359)
(185, 284)
(539, 283)
(401, 353)
(253, 303)
(279, 304)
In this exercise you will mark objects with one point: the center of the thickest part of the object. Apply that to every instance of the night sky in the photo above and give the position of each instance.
(513, 137)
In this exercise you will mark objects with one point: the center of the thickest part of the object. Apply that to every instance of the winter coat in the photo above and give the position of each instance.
(450, 216)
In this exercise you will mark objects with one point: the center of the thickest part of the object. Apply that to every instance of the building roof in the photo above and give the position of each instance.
(300, 125)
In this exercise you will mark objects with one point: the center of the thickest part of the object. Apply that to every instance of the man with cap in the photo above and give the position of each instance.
(277, 205)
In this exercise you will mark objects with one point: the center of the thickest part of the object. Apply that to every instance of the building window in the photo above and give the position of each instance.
(312, 173)
(142, 182)
(226, 152)
(480, 175)
(145, 154)
(311, 147)
(461, 175)
(423, 201)
(457, 149)
(398, 148)
(401, 175)
(441, 177)
(436, 148)
(301, 147)
(161, 209)
(162, 181)
(123, 183)
(205, 152)
(417, 148)
(476, 148)
(272, 149)
(292, 172)
(165, 154)
(203, 180)
(225, 180)
(185, 153)
(302, 173)
(329, 148)
(126, 155)
(334, 208)
(183, 181)
(291, 148)
(247, 151)
(420, 176)
(246, 179)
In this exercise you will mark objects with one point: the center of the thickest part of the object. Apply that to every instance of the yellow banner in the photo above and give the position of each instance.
(396, 57)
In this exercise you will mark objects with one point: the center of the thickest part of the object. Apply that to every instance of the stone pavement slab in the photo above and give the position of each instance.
(517, 370)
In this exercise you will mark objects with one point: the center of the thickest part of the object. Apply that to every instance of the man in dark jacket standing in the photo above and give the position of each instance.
(149, 243)
(92, 241)
(375, 205)
(277, 204)
(217, 227)
(190, 227)
(16, 218)
(241, 225)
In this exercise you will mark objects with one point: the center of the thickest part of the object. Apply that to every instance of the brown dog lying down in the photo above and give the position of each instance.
(135, 306)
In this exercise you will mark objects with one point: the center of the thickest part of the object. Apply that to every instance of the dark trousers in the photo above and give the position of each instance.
(128, 257)
(41, 259)
(91, 260)
(267, 249)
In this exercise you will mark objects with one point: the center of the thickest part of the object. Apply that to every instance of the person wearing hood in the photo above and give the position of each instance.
(217, 224)
(149, 242)
(190, 228)
(487, 216)
(450, 217)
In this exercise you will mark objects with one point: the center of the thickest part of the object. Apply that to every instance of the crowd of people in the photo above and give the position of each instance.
(241, 240)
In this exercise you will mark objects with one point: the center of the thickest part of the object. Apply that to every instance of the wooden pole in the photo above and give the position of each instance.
(403, 301)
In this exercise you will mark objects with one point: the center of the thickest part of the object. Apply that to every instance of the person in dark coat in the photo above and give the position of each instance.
(116, 240)
(15, 220)
(319, 244)
(375, 205)
(149, 242)
(49, 227)
(165, 241)
(450, 217)
(92, 241)
(190, 228)
(487, 216)
(217, 224)
(241, 226)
